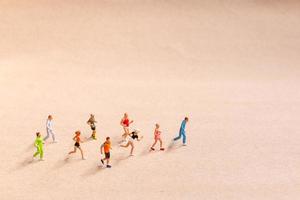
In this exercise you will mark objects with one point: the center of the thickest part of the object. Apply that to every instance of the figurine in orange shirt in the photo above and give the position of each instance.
(77, 140)
(106, 146)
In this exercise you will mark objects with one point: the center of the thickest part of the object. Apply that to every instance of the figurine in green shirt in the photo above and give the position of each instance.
(39, 146)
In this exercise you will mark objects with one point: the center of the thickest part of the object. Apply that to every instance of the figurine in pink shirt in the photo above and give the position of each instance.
(157, 137)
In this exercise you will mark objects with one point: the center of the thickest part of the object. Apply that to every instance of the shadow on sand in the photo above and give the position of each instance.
(88, 139)
(120, 159)
(145, 152)
(115, 141)
(25, 163)
(94, 170)
(67, 160)
(61, 163)
(172, 146)
(30, 147)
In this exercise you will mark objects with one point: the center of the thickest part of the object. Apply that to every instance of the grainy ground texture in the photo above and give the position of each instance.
(232, 66)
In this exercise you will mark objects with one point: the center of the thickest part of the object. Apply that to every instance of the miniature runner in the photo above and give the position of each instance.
(131, 137)
(49, 129)
(182, 131)
(92, 124)
(157, 137)
(39, 146)
(107, 147)
(125, 122)
(77, 140)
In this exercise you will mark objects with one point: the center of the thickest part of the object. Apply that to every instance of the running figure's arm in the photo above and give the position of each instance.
(121, 122)
(89, 122)
(131, 122)
(48, 125)
(183, 125)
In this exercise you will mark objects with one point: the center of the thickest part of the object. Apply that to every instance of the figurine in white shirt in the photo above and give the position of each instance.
(49, 129)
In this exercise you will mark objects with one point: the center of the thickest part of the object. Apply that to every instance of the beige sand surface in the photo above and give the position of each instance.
(231, 66)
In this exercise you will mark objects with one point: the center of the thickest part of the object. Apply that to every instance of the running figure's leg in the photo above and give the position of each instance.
(73, 151)
(160, 143)
(132, 147)
(184, 137)
(125, 145)
(47, 136)
(152, 147)
(36, 153)
(126, 130)
(41, 153)
(125, 134)
(179, 136)
(81, 153)
(52, 134)
(94, 134)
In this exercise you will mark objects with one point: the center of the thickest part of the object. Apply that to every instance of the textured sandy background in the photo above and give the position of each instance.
(231, 66)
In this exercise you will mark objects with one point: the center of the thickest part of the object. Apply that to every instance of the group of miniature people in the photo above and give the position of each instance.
(128, 138)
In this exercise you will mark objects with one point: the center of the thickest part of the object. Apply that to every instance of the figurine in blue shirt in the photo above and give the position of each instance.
(182, 131)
